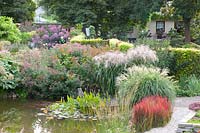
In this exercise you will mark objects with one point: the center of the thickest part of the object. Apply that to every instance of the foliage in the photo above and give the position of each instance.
(8, 30)
(114, 42)
(195, 28)
(187, 9)
(44, 75)
(154, 44)
(115, 125)
(3, 44)
(19, 10)
(176, 39)
(50, 36)
(88, 104)
(165, 59)
(191, 45)
(77, 30)
(123, 46)
(26, 37)
(189, 86)
(81, 36)
(151, 112)
(93, 42)
(141, 81)
(110, 18)
(112, 64)
(9, 74)
(185, 62)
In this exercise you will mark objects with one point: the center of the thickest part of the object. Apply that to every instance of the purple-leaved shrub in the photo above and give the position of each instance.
(50, 36)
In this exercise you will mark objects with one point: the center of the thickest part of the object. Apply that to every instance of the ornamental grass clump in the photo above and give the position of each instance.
(151, 112)
(142, 81)
(112, 64)
(111, 59)
(141, 55)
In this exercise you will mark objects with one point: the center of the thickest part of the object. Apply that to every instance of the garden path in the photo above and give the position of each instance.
(180, 114)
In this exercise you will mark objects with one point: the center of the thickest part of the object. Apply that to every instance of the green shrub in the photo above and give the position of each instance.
(191, 45)
(195, 28)
(47, 74)
(77, 31)
(26, 37)
(9, 74)
(8, 30)
(165, 59)
(176, 39)
(153, 44)
(124, 46)
(140, 81)
(78, 37)
(185, 62)
(113, 42)
(189, 86)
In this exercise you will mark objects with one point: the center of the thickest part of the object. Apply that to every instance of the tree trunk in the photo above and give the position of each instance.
(187, 30)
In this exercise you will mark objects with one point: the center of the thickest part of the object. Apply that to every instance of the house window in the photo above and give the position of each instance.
(160, 26)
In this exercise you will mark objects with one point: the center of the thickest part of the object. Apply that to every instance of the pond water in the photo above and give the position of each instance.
(20, 116)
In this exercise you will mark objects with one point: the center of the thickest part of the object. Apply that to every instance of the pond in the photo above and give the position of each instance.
(20, 116)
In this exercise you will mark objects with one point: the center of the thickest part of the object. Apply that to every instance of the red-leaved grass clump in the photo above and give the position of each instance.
(151, 112)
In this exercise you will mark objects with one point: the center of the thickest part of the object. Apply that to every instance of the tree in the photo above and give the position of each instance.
(19, 10)
(187, 9)
(110, 17)
(195, 28)
(140, 10)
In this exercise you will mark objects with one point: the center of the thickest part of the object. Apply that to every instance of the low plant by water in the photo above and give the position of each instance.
(81, 107)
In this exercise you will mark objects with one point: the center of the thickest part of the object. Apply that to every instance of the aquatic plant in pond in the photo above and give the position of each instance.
(50, 36)
(83, 107)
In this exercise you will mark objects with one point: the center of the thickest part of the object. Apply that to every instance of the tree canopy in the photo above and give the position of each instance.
(108, 16)
(19, 10)
(187, 9)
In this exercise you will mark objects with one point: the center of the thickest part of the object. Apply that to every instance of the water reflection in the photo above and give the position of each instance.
(20, 117)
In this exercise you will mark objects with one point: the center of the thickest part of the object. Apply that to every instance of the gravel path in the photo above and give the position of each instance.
(180, 114)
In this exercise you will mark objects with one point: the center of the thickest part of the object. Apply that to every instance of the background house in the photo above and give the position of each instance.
(159, 28)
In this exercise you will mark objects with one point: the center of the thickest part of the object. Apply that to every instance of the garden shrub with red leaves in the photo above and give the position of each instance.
(151, 112)
(195, 106)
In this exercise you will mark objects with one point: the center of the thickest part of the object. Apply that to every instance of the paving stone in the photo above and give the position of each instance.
(181, 114)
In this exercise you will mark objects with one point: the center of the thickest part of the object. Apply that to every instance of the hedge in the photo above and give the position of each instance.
(185, 62)
(92, 42)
